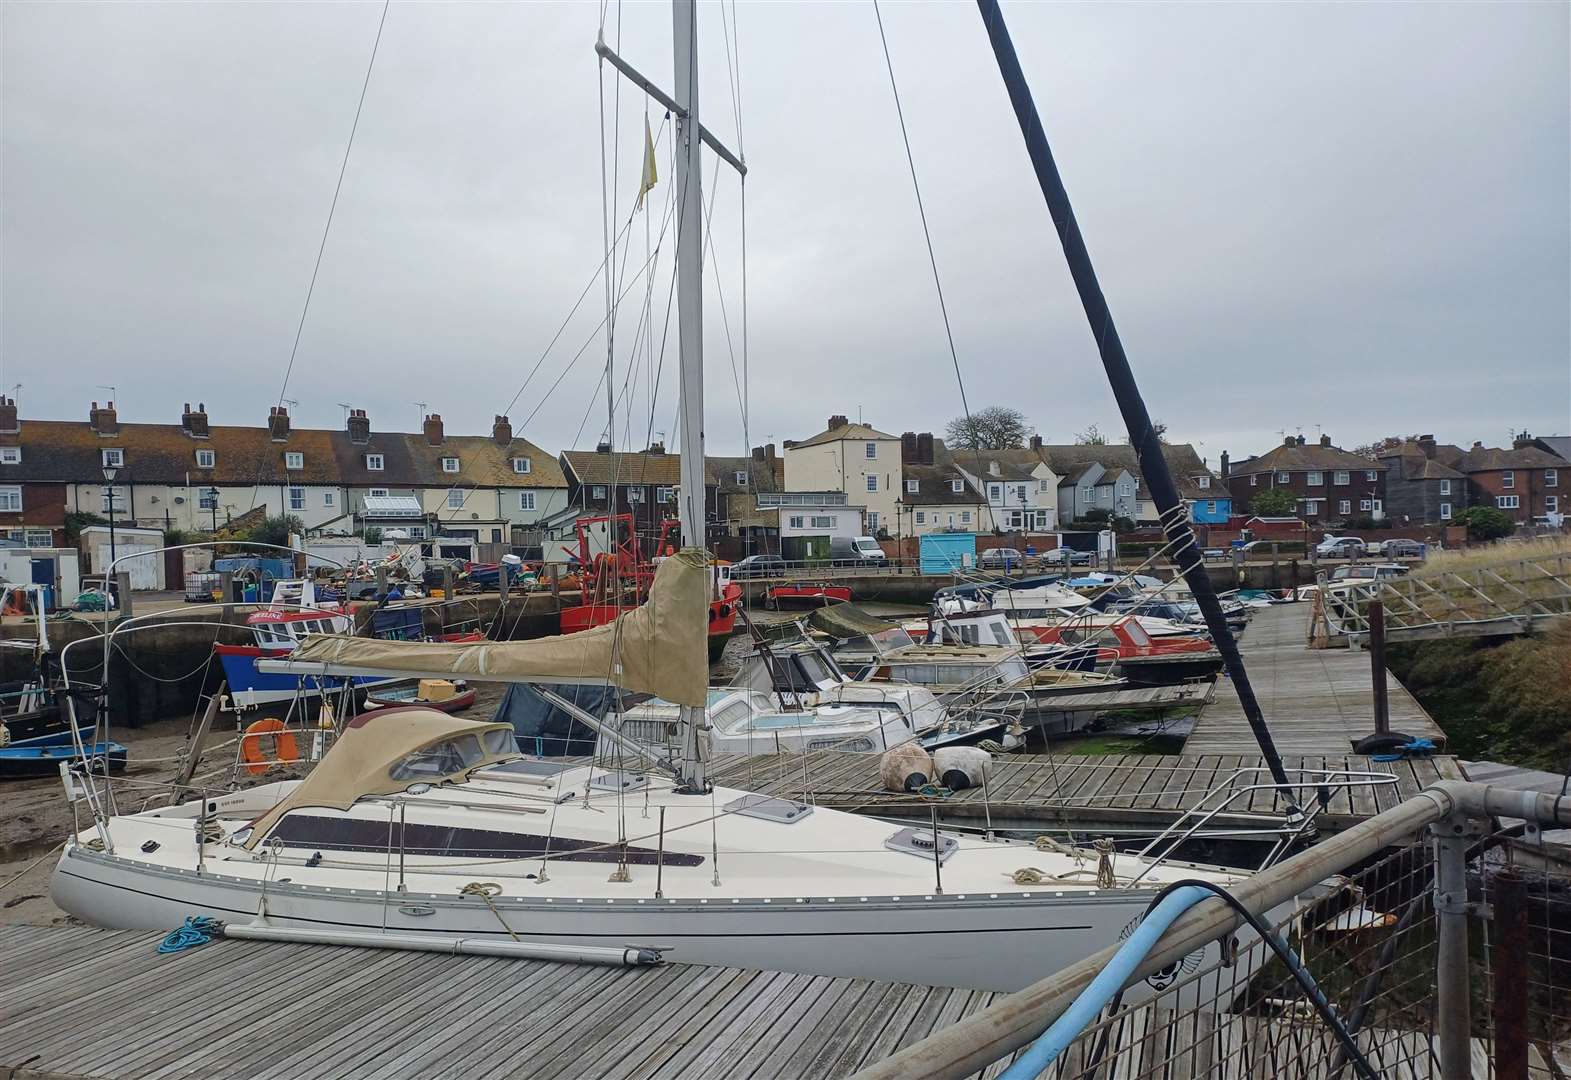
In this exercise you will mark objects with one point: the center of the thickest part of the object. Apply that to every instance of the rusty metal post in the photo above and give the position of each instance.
(1509, 959)
(1377, 666)
(1454, 1016)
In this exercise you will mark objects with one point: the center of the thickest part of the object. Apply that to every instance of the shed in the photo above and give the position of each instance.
(146, 564)
(946, 553)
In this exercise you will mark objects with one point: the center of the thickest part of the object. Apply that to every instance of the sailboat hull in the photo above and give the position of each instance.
(998, 941)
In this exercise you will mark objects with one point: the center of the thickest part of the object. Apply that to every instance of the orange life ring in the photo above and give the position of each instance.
(263, 736)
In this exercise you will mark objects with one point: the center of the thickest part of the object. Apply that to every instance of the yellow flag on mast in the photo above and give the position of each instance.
(651, 176)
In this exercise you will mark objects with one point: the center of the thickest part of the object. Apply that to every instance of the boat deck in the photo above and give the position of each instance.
(1316, 701)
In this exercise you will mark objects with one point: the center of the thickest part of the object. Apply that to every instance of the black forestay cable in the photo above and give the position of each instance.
(932, 259)
(342, 168)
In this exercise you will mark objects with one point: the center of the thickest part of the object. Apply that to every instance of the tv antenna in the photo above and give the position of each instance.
(344, 405)
(421, 405)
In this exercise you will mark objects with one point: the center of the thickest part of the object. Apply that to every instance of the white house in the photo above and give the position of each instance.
(856, 459)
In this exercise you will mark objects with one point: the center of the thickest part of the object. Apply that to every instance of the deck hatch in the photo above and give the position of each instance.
(769, 808)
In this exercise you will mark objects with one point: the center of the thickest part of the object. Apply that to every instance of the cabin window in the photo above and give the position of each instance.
(921, 517)
(455, 498)
(449, 464)
(205, 459)
(1001, 635)
(913, 486)
(521, 465)
(114, 458)
(12, 455)
(297, 498)
(294, 459)
(526, 500)
(11, 497)
(871, 450)
(1315, 478)
(1136, 633)
(373, 462)
(443, 759)
(1508, 479)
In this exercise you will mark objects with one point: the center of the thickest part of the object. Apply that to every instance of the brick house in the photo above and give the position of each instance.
(1328, 483)
(643, 485)
(1524, 482)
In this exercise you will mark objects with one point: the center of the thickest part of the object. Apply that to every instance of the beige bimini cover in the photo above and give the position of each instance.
(372, 745)
(660, 647)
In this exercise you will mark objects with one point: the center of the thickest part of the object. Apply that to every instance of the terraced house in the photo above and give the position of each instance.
(198, 476)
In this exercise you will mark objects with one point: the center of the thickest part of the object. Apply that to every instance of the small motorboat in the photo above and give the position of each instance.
(812, 594)
(42, 756)
(448, 697)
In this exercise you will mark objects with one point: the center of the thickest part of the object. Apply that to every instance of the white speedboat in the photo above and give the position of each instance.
(747, 721)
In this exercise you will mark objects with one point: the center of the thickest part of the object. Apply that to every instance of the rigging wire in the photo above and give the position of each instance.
(342, 168)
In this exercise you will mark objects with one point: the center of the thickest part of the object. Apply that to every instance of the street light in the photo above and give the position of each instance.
(212, 498)
(109, 496)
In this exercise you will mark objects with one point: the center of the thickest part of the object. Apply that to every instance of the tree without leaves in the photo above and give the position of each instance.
(996, 427)
(1091, 436)
(1158, 427)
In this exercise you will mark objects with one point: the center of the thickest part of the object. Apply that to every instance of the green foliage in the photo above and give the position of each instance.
(996, 427)
(371, 534)
(1485, 523)
(1274, 502)
(276, 530)
(176, 537)
(77, 520)
(1361, 523)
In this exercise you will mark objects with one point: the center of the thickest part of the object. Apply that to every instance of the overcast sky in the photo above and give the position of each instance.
(1348, 215)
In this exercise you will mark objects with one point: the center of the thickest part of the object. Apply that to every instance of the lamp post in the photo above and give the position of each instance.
(212, 498)
(109, 497)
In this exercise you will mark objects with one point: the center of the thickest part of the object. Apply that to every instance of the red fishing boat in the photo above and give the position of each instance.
(810, 594)
(1140, 657)
(617, 580)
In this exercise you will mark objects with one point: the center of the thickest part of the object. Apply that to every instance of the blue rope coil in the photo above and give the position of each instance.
(197, 930)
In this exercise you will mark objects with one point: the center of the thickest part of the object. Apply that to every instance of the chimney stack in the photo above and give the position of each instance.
(758, 453)
(433, 429)
(1426, 443)
(359, 426)
(501, 431)
(9, 423)
(1325, 440)
(908, 448)
(924, 448)
(104, 421)
(602, 447)
(1289, 441)
(278, 423)
(1036, 443)
(194, 424)
(654, 447)
(1477, 445)
(836, 422)
(1522, 441)
(1300, 440)
(769, 451)
(1222, 466)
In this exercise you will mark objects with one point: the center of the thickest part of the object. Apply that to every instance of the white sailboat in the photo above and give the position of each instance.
(421, 828)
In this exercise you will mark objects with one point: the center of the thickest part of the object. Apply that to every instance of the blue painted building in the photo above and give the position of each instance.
(946, 553)
(1210, 508)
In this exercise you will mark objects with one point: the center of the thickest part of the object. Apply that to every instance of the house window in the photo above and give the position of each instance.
(635, 494)
(1254, 480)
(1551, 476)
(1315, 478)
(1344, 506)
(1203, 481)
(206, 499)
(1311, 507)
(327, 498)
(526, 500)
(913, 486)
(1283, 478)
(455, 498)
(449, 464)
(597, 492)
(663, 494)
(995, 492)
(378, 493)
(1366, 505)
(1020, 492)
(871, 450)
(1042, 485)
(1371, 475)
(521, 465)
(1445, 487)
(294, 459)
(1126, 489)
(12, 455)
(1445, 511)
(1508, 502)
(373, 462)
(826, 521)
(872, 482)
(741, 479)
(1211, 507)
(796, 521)
(11, 498)
(114, 458)
(205, 459)
(42, 538)
(872, 521)
(957, 486)
(921, 517)
(1508, 479)
(965, 517)
(1340, 477)
(111, 497)
(1551, 504)
(297, 498)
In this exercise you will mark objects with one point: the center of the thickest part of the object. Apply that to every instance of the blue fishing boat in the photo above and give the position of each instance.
(42, 756)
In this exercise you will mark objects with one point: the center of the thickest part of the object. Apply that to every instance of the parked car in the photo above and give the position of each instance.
(1340, 547)
(1063, 556)
(756, 566)
(1001, 558)
(857, 551)
(1400, 549)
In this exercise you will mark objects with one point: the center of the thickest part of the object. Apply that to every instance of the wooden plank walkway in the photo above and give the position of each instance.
(1316, 701)
(1080, 790)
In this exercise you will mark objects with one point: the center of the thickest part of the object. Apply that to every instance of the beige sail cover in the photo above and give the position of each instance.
(660, 647)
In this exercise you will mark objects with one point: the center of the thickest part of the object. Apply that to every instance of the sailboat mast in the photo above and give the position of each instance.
(1142, 436)
(690, 328)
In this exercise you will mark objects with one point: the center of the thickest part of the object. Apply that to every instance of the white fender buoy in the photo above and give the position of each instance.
(961, 767)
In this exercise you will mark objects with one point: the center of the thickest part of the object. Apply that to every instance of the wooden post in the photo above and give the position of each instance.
(448, 578)
(554, 574)
(1293, 566)
(1377, 665)
(501, 591)
(226, 594)
(381, 582)
(123, 587)
(1508, 958)
(1276, 565)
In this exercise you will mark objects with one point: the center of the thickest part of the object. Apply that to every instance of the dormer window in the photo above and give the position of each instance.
(12, 455)
(373, 462)
(521, 465)
(205, 459)
(913, 487)
(741, 479)
(113, 459)
(1203, 481)
(449, 464)
(957, 486)
(294, 459)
